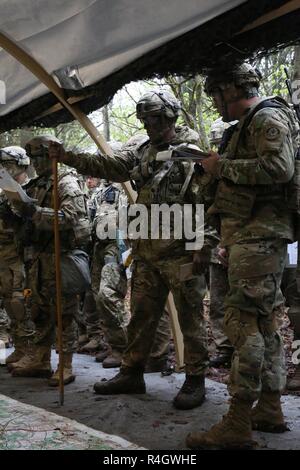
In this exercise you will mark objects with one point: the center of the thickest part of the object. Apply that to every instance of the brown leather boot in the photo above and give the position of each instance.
(267, 415)
(68, 375)
(100, 356)
(114, 359)
(191, 394)
(128, 380)
(233, 432)
(35, 363)
(95, 344)
(293, 383)
(18, 353)
(82, 340)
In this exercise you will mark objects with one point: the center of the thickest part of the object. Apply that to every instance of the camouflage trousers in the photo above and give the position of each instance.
(218, 281)
(4, 322)
(12, 282)
(151, 284)
(41, 281)
(254, 275)
(104, 308)
(292, 299)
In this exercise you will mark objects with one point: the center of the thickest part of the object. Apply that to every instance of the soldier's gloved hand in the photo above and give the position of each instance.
(56, 151)
(201, 260)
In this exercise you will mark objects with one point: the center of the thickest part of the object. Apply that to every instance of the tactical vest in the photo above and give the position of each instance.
(157, 182)
(41, 189)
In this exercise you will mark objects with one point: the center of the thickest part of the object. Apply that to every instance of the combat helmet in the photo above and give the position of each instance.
(14, 154)
(38, 146)
(156, 103)
(243, 75)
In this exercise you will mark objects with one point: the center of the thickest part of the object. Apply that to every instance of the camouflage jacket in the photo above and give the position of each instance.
(155, 182)
(9, 250)
(253, 173)
(73, 216)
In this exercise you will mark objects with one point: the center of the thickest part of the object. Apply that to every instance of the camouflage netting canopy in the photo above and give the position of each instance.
(94, 47)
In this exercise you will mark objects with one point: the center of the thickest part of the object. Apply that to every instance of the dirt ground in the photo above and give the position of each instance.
(147, 420)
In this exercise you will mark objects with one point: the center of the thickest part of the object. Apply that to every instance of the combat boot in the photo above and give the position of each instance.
(267, 415)
(67, 372)
(100, 356)
(191, 394)
(18, 353)
(128, 380)
(82, 340)
(233, 432)
(35, 363)
(114, 359)
(293, 384)
(93, 345)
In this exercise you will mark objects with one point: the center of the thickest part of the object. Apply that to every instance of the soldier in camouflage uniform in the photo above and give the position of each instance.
(90, 339)
(109, 282)
(255, 168)
(12, 272)
(39, 249)
(156, 262)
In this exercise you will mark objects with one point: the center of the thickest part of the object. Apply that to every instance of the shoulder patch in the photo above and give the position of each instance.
(272, 133)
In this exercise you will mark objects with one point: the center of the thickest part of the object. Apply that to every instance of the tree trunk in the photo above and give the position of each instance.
(106, 127)
(296, 70)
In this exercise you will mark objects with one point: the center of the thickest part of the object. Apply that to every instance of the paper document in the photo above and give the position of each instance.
(12, 189)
